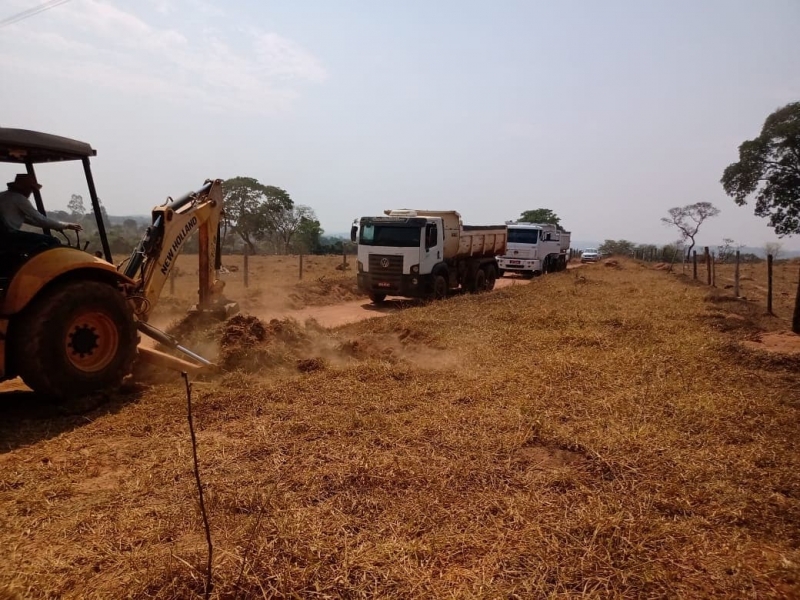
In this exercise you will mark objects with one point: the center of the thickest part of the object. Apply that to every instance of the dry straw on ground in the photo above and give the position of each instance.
(601, 433)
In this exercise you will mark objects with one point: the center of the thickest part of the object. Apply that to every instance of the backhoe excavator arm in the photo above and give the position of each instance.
(173, 224)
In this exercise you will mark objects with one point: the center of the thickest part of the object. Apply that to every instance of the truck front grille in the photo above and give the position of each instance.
(386, 269)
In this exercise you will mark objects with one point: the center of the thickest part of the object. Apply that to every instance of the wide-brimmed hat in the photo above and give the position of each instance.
(25, 182)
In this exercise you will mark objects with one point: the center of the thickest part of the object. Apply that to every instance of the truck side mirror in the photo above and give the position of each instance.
(353, 232)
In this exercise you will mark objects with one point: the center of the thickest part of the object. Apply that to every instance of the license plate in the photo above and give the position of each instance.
(383, 284)
(515, 262)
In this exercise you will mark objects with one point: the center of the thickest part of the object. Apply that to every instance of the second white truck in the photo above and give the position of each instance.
(534, 249)
(425, 254)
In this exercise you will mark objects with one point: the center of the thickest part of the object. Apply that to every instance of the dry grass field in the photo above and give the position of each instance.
(600, 432)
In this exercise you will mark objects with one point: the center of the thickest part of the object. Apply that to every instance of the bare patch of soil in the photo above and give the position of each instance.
(781, 342)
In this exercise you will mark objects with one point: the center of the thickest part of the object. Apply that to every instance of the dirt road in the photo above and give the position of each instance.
(359, 310)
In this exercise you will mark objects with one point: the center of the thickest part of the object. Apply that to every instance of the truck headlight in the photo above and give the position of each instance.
(415, 268)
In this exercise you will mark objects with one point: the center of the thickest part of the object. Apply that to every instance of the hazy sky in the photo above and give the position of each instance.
(607, 112)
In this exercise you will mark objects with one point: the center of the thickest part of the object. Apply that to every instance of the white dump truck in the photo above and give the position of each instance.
(535, 248)
(425, 254)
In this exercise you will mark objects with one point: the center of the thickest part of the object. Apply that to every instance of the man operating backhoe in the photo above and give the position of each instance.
(16, 210)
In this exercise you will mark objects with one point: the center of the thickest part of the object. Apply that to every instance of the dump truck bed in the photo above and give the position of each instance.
(462, 241)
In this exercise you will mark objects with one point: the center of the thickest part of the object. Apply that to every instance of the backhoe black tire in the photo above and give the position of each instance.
(76, 339)
(440, 287)
(377, 298)
(491, 277)
(480, 281)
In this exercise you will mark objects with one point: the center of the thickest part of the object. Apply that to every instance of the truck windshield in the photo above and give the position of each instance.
(390, 235)
(522, 236)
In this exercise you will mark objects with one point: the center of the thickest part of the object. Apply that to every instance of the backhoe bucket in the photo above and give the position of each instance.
(222, 311)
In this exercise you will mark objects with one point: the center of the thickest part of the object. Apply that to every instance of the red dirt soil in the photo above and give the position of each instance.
(781, 342)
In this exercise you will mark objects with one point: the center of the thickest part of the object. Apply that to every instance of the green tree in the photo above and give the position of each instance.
(688, 219)
(287, 222)
(769, 167)
(309, 234)
(251, 208)
(541, 215)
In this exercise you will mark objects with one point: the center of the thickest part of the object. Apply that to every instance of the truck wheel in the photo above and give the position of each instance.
(439, 287)
(562, 264)
(491, 277)
(500, 273)
(377, 297)
(480, 281)
(78, 338)
(529, 274)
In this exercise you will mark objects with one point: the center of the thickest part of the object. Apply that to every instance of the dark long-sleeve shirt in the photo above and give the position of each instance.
(16, 209)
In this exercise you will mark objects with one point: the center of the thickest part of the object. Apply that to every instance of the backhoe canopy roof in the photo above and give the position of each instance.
(25, 146)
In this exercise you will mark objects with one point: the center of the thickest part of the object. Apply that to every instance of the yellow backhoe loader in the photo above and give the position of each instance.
(70, 321)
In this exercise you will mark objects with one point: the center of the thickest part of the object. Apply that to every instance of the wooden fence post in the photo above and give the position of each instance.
(694, 263)
(713, 270)
(769, 284)
(301, 267)
(246, 266)
(736, 276)
(708, 264)
(796, 316)
(672, 260)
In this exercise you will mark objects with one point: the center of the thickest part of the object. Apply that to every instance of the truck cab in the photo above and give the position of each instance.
(535, 248)
(397, 253)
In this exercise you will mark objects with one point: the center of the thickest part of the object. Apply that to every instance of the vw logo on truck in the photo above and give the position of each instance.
(385, 263)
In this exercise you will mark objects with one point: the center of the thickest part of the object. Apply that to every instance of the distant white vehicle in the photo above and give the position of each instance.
(590, 255)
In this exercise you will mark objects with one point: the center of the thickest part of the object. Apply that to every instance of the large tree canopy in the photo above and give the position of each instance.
(769, 167)
(541, 215)
(251, 208)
